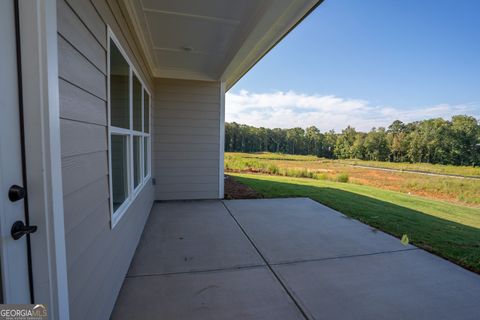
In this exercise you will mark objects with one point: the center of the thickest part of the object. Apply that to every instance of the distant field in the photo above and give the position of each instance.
(466, 171)
(423, 167)
(273, 156)
(451, 231)
(459, 191)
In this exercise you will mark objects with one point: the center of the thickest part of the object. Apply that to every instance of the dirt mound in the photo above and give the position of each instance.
(236, 190)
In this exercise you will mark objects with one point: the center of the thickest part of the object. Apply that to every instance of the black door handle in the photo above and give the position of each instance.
(19, 229)
(16, 193)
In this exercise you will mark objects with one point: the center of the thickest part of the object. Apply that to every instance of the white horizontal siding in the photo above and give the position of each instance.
(98, 257)
(185, 122)
(186, 140)
(204, 147)
(180, 172)
(92, 110)
(181, 131)
(170, 115)
(196, 195)
(188, 155)
(80, 138)
(80, 171)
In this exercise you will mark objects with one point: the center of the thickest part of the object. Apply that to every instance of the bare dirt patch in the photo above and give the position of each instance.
(236, 190)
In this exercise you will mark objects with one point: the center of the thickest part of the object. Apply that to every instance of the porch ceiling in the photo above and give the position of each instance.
(211, 39)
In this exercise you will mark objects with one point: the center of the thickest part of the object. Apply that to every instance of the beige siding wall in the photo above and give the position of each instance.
(97, 256)
(186, 149)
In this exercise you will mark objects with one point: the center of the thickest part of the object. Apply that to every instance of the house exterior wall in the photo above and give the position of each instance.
(98, 257)
(187, 148)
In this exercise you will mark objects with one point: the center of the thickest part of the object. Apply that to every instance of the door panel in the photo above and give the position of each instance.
(14, 253)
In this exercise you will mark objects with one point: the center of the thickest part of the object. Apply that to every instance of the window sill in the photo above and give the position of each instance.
(117, 215)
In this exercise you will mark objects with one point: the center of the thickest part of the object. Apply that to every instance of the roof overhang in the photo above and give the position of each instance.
(214, 40)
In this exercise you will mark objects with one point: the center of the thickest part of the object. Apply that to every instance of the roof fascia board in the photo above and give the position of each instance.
(249, 55)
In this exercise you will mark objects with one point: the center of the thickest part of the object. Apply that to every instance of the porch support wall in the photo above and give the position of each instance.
(188, 147)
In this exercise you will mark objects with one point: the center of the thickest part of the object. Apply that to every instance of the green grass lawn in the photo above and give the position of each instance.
(448, 230)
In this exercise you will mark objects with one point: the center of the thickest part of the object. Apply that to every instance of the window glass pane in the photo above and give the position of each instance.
(137, 161)
(146, 114)
(137, 104)
(119, 89)
(119, 167)
(145, 155)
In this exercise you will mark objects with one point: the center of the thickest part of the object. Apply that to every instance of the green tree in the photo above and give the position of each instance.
(358, 148)
(465, 137)
(314, 141)
(295, 141)
(397, 141)
(344, 143)
(376, 145)
(433, 140)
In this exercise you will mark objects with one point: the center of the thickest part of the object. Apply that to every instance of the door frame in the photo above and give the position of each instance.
(15, 258)
(40, 93)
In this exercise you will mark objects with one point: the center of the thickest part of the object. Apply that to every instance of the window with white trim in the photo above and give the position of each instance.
(128, 130)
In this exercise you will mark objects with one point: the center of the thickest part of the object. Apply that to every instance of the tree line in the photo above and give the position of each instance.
(455, 141)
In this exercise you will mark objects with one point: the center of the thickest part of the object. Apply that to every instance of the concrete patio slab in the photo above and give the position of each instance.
(251, 293)
(295, 229)
(196, 261)
(191, 236)
(401, 285)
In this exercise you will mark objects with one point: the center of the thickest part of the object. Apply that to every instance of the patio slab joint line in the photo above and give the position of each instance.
(253, 266)
(297, 304)
(342, 257)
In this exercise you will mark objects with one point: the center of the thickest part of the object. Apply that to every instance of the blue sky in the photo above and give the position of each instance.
(367, 63)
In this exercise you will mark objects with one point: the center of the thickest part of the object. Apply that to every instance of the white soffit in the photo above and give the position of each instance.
(211, 39)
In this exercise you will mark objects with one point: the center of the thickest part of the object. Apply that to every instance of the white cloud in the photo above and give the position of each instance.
(290, 109)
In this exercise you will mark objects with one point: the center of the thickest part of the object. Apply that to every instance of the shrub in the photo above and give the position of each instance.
(342, 177)
(322, 176)
(273, 169)
(299, 173)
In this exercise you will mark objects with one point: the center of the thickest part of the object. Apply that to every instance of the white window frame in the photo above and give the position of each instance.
(116, 215)
(140, 134)
(147, 135)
